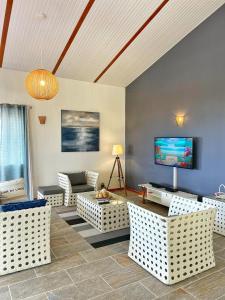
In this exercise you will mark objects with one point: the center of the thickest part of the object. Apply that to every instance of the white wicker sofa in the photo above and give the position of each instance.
(176, 247)
(70, 192)
(24, 239)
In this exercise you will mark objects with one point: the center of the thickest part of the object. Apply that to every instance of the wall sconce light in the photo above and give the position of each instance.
(42, 119)
(180, 120)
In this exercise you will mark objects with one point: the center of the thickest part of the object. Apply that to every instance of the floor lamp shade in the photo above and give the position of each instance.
(117, 150)
(41, 84)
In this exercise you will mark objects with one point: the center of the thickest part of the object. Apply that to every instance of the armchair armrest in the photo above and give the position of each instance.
(64, 182)
(92, 179)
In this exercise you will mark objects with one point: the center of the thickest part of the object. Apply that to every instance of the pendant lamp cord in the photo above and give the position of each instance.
(42, 58)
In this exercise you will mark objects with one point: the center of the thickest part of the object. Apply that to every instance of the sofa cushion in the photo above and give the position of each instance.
(50, 190)
(22, 205)
(77, 178)
(82, 188)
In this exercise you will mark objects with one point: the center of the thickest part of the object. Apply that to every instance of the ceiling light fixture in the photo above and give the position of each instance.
(41, 84)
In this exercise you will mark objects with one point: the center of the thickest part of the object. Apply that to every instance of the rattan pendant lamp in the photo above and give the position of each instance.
(41, 84)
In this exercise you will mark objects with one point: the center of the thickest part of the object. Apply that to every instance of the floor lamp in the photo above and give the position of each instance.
(116, 151)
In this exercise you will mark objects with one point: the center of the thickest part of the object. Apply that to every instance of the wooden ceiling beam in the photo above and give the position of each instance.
(131, 40)
(73, 35)
(5, 28)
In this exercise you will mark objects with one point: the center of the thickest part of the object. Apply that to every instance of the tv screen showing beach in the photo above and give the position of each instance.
(174, 152)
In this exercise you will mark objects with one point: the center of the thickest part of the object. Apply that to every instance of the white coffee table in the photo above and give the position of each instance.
(104, 217)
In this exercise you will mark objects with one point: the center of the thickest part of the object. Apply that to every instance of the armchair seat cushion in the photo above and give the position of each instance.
(50, 190)
(81, 188)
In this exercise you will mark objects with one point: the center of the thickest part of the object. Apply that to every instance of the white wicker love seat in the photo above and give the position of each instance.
(176, 247)
(70, 194)
(24, 239)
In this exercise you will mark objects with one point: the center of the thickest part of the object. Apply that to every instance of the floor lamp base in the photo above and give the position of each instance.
(120, 174)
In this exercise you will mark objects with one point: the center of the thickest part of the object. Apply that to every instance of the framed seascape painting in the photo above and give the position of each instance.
(79, 131)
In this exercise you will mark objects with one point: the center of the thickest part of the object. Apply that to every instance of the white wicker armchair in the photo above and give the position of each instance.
(24, 239)
(176, 247)
(70, 198)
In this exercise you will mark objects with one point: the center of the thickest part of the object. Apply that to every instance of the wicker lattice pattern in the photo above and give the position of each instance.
(172, 248)
(25, 239)
(219, 224)
(183, 206)
(70, 199)
(108, 217)
(53, 200)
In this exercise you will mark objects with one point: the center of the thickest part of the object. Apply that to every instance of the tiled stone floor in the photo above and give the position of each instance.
(79, 271)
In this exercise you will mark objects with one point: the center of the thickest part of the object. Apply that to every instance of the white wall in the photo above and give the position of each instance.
(46, 139)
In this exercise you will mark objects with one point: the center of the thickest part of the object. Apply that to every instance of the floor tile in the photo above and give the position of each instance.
(158, 288)
(93, 287)
(99, 253)
(73, 237)
(216, 235)
(219, 243)
(70, 249)
(60, 241)
(4, 293)
(125, 276)
(70, 292)
(93, 269)
(177, 295)
(220, 254)
(134, 291)
(62, 232)
(58, 221)
(123, 259)
(39, 285)
(17, 277)
(59, 227)
(83, 290)
(60, 264)
(208, 288)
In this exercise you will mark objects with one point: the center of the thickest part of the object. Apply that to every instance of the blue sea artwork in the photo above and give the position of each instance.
(80, 131)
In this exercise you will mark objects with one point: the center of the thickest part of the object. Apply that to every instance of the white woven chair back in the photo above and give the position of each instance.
(182, 206)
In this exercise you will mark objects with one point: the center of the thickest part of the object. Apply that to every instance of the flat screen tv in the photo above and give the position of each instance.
(174, 152)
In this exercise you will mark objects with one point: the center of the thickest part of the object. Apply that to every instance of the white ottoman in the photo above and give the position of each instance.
(54, 194)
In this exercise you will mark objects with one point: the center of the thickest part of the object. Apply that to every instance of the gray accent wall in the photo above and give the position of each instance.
(189, 79)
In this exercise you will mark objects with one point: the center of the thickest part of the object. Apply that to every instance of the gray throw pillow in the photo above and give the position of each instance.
(77, 178)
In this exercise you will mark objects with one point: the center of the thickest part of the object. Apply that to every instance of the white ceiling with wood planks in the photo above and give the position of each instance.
(103, 29)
